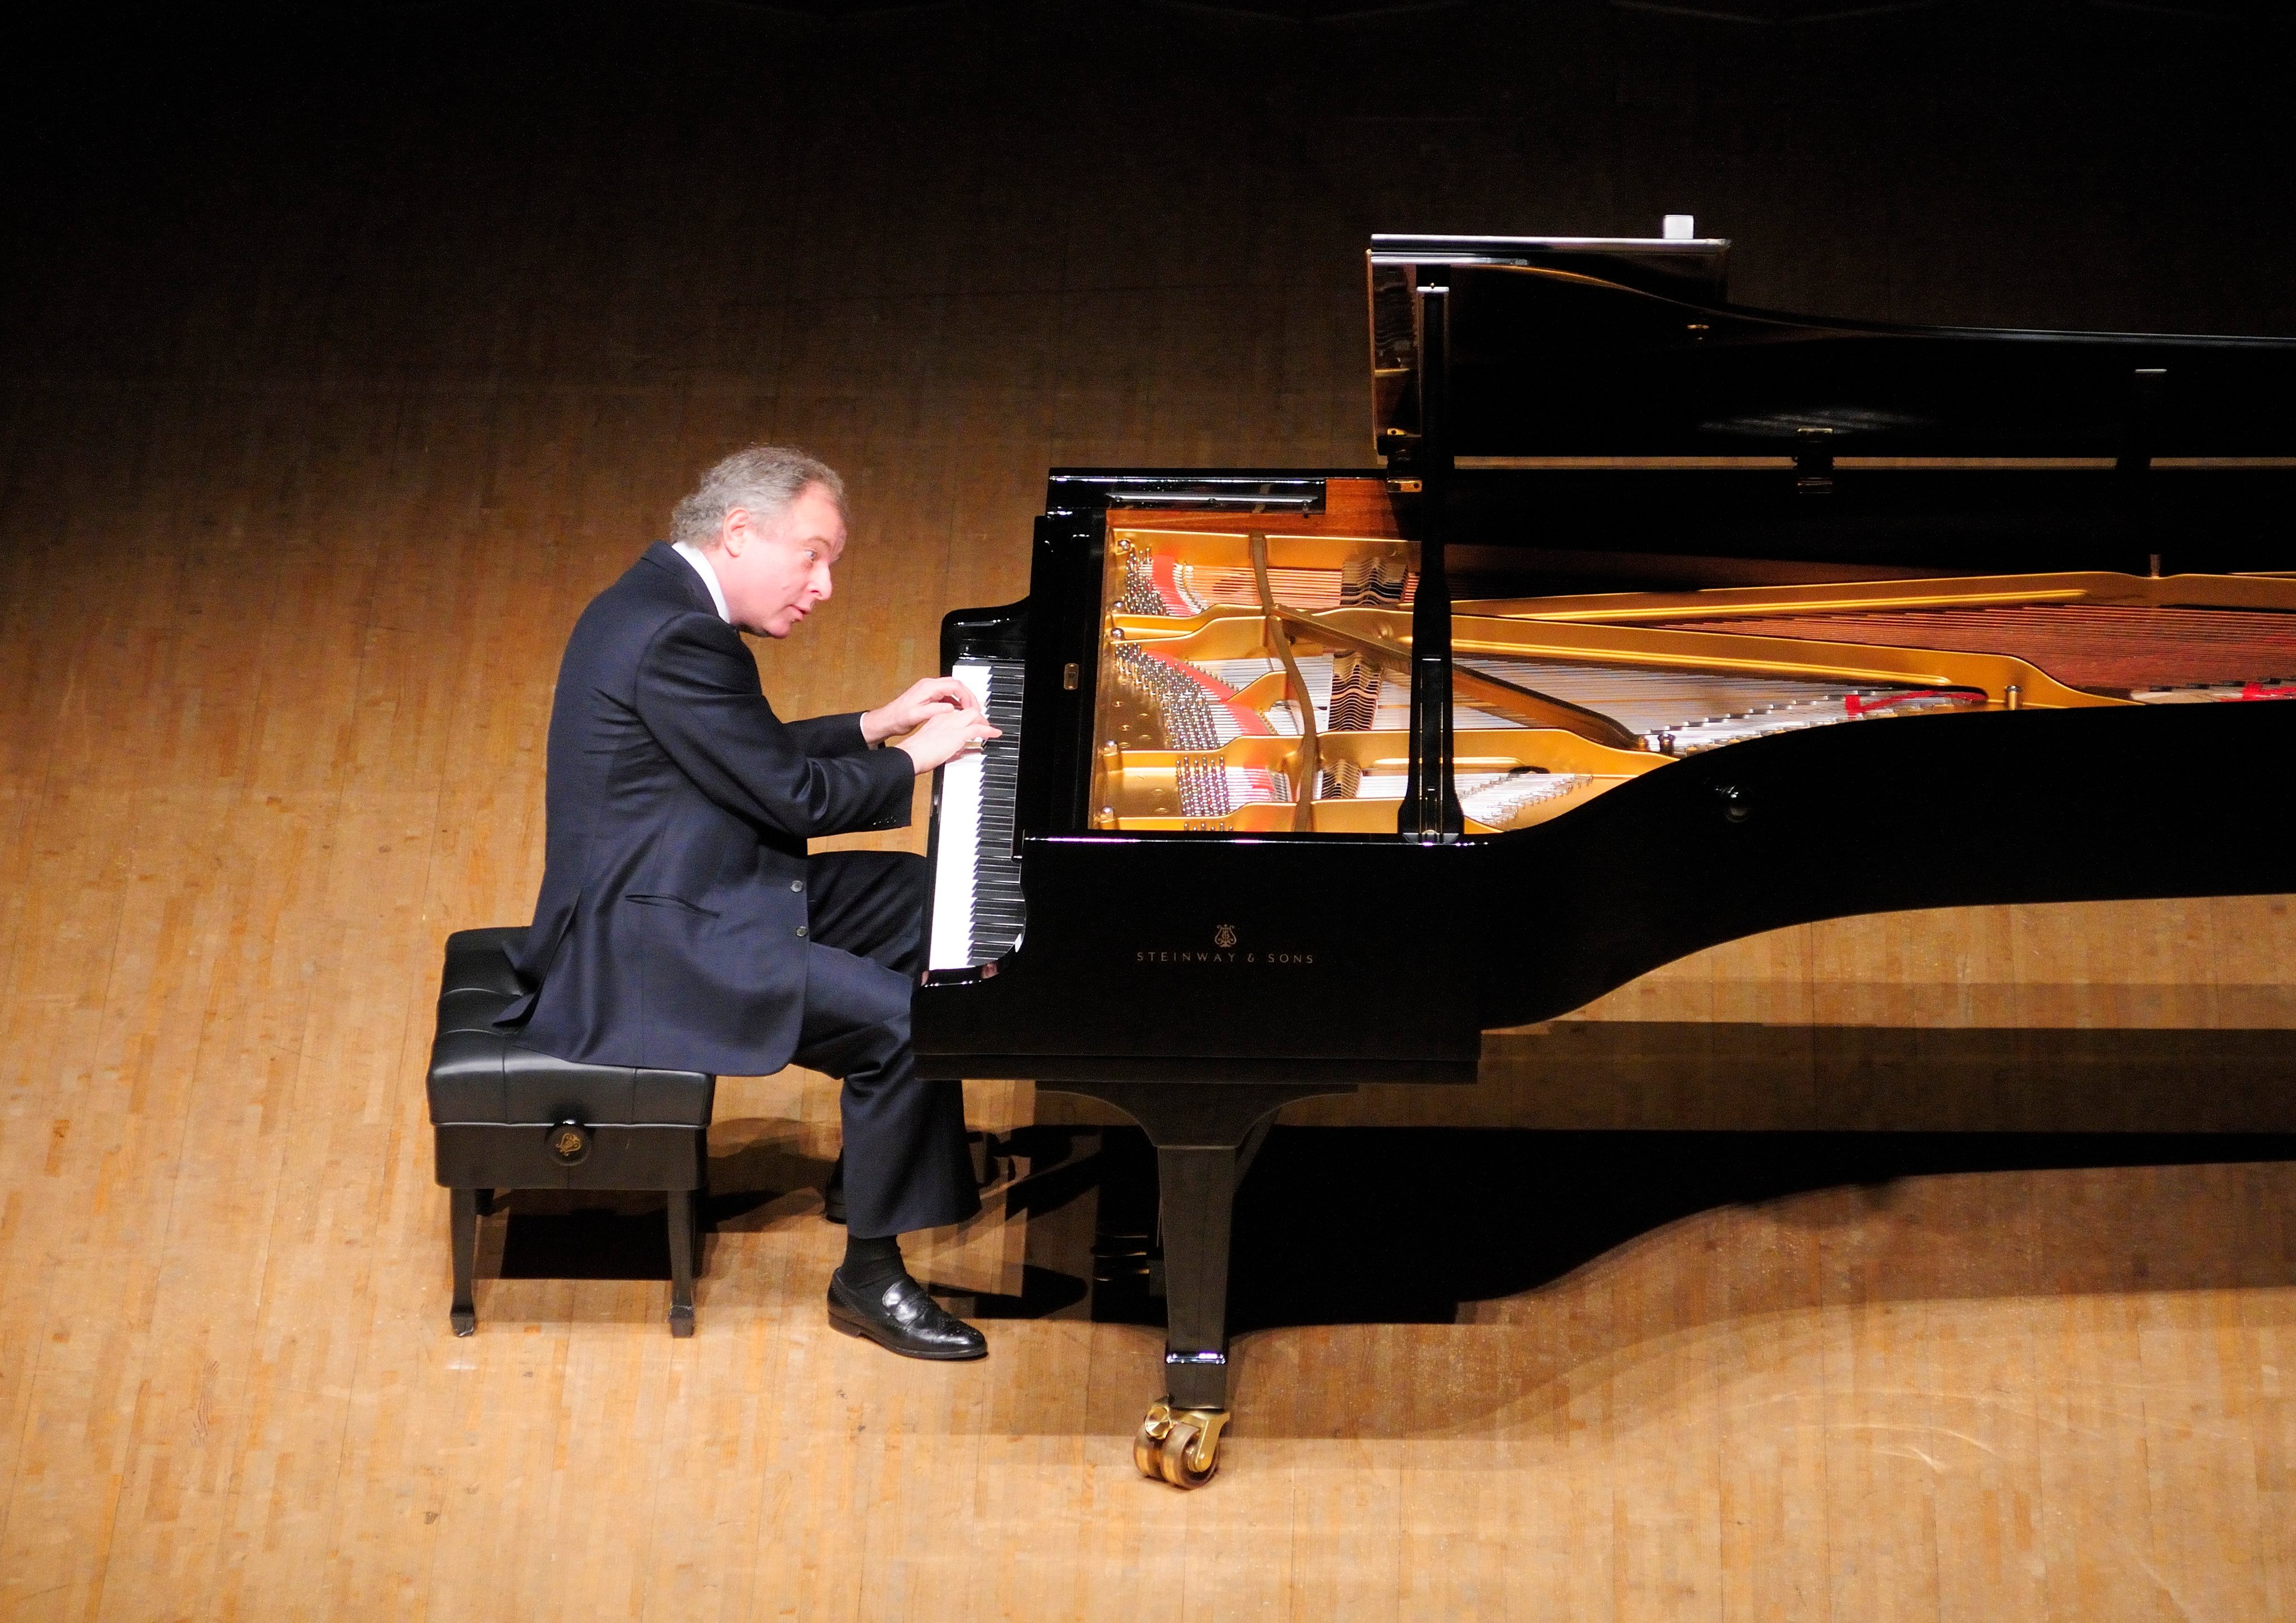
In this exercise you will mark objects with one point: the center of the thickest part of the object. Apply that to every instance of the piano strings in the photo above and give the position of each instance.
(1201, 726)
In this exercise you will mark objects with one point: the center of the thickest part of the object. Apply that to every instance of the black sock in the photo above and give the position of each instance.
(872, 1262)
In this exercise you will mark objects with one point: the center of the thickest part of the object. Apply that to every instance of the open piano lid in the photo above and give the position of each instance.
(1575, 346)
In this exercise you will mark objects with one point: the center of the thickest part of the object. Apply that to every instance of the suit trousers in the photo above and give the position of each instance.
(905, 1163)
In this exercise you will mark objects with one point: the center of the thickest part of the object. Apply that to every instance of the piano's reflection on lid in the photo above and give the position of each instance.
(1817, 683)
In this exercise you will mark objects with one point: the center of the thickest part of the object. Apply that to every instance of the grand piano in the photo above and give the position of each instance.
(1665, 622)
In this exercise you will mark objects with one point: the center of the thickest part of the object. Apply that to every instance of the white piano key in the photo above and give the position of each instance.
(957, 845)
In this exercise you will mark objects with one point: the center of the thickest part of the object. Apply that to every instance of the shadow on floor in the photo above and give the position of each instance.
(553, 1234)
(1409, 1225)
(1367, 1224)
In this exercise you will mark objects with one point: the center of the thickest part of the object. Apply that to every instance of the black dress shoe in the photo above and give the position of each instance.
(900, 1317)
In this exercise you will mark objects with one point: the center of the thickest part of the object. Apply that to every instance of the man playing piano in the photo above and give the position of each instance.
(681, 923)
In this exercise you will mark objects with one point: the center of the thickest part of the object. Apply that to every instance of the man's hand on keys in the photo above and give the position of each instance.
(923, 701)
(941, 716)
(947, 735)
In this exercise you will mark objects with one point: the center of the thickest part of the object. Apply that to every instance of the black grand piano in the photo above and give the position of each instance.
(1665, 622)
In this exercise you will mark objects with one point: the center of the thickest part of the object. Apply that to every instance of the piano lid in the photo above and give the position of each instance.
(1628, 347)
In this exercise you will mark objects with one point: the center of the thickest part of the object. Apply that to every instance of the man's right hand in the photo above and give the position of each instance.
(946, 736)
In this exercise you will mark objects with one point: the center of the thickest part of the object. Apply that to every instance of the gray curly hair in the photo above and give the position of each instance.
(764, 478)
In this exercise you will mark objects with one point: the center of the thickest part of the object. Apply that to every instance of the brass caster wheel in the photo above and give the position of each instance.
(1179, 1445)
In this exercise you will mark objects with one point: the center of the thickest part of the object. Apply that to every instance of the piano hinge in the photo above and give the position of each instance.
(1071, 675)
(1404, 487)
(2145, 389)
(1813, 463)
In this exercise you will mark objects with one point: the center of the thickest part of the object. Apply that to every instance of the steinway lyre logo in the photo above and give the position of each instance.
(1223, 950)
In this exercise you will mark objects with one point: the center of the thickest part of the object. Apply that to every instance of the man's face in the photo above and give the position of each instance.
(774, 570)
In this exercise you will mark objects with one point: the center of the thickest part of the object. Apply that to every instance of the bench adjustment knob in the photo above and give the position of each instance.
(570, 1142)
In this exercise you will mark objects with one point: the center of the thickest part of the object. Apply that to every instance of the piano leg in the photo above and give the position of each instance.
(1179, 1440)
(1205, 1134)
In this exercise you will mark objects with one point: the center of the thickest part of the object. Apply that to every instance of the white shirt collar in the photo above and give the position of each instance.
(700, 560)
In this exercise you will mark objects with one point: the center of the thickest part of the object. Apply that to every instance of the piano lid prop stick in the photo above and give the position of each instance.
(1431, 802)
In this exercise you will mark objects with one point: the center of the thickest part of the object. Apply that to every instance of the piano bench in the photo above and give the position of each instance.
(504, 1117)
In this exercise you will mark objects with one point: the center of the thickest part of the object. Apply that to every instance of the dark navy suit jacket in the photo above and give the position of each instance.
(670, 931)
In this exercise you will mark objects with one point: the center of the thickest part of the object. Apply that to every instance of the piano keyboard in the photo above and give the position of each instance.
(977, 911)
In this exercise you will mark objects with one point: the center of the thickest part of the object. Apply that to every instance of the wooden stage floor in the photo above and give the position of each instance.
(263, 753)
(286, 563)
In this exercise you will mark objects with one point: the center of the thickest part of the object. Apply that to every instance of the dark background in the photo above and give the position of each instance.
(1050, 193)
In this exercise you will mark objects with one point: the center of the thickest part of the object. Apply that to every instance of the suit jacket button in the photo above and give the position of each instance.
(797, 884)
(800, 930)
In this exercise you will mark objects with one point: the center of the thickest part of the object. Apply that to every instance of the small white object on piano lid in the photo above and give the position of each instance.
(1680, 228)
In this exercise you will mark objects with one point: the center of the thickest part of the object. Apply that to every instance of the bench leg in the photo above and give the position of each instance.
(702, 1221)
(463, 1236)
(683, 1237)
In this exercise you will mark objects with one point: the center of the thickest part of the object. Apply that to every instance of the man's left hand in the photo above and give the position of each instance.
(923, 701)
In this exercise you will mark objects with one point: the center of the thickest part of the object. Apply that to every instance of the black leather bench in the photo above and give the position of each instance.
(507, 1117)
